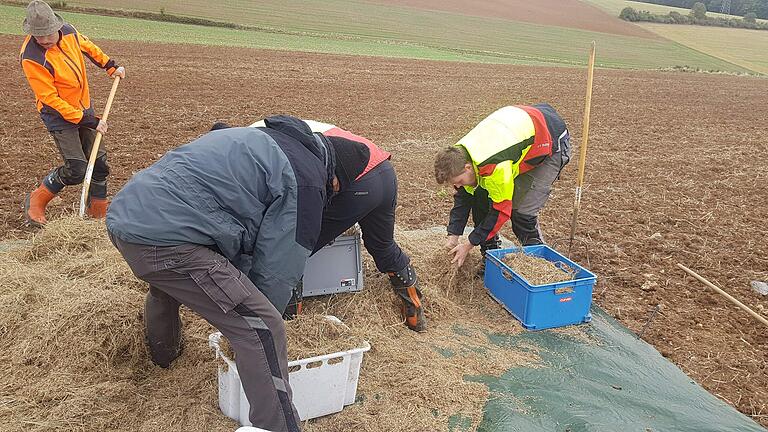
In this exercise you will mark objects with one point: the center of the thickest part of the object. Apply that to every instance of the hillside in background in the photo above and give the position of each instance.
(732, 7)
(354, 27)
(574, 14)
(746, 48)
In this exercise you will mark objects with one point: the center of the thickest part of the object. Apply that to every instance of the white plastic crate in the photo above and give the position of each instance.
(321, 385)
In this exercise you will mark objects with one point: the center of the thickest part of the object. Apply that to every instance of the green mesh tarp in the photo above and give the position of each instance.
(607, 381)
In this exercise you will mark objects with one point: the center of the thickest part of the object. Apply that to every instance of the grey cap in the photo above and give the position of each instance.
(41, 20)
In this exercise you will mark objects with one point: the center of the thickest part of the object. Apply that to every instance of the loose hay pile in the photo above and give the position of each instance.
(74, 358)
(538, 271)
(73, 354)
(311, 335)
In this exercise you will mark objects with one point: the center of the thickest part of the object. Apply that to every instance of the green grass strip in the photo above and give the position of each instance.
(501, 41)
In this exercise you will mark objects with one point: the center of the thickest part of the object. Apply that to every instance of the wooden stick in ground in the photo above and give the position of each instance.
(725, 294)
(583, 148)
(95, 150)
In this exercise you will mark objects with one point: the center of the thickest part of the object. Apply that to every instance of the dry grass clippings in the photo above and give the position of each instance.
(536, 270)
(74, 356)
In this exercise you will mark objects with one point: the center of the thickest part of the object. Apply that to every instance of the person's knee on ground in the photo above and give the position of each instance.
(162, 327)
(405, 284)
(526, 229)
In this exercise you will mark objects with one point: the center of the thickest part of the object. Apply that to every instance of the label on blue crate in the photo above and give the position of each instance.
(348, 282)
(566, 299)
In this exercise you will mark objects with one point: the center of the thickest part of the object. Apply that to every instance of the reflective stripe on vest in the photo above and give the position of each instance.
(377, 155)
(507, 143)
(503, 135)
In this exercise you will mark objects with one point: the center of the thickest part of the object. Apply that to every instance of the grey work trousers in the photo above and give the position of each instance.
(532, 191)
(207, 283)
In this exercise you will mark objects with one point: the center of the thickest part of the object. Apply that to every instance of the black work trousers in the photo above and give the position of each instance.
(369, 201)
(75, 148)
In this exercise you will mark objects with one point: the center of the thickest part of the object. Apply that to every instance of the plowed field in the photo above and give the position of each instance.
(676, 169)
(562, 13)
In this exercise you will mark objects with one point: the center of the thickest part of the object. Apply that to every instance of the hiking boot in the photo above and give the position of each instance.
(406, 286)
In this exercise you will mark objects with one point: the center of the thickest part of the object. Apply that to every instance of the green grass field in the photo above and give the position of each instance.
(350, 27)
(615, 6)
(746, 48)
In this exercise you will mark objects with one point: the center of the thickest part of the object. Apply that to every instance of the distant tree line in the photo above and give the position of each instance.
(697, 16)
(738, 7)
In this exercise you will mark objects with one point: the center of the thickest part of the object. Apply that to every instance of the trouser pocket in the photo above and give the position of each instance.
(223, 284)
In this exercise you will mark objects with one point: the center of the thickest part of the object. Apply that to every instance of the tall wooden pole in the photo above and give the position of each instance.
(583, 148)
(95, 150)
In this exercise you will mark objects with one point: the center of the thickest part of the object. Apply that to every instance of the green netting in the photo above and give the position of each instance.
(608, 381)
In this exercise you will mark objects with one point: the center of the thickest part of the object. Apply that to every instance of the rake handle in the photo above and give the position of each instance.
(95, 149)
(583, 148)
(725, 294)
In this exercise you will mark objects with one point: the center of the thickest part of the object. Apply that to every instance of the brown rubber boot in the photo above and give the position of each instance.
(34, 206)
(97, 208)
(406, 286)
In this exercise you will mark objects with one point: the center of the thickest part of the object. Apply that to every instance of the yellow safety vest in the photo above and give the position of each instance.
(497, 146)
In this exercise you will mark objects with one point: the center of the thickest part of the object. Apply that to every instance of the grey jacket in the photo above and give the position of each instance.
(256, 195)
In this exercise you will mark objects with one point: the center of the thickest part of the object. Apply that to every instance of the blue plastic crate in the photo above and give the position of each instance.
(540, 307)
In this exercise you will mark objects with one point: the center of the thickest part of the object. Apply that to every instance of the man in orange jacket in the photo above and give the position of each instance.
(53, 60)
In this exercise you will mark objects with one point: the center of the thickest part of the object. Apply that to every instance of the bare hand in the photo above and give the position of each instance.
(452, 241)
(460, 253)
(119, 72)
(102, 127)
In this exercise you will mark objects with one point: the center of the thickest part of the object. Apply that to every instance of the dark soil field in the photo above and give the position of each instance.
(676, 169)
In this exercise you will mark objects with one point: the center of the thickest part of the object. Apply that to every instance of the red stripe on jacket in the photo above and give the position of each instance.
(377, 155)
(542, 141)
(486, 170)
(505, 213)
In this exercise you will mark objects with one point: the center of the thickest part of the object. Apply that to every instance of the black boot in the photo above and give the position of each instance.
(494, 243)
(406, 285)
(295, 303)
(162, 327)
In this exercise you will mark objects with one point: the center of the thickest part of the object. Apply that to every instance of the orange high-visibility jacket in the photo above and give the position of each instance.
(58, 77)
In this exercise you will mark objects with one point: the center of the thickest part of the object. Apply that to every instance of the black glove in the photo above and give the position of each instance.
(89, 121)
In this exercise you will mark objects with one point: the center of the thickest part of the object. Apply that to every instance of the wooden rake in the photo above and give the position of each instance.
(95, 150)
(583, 148)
